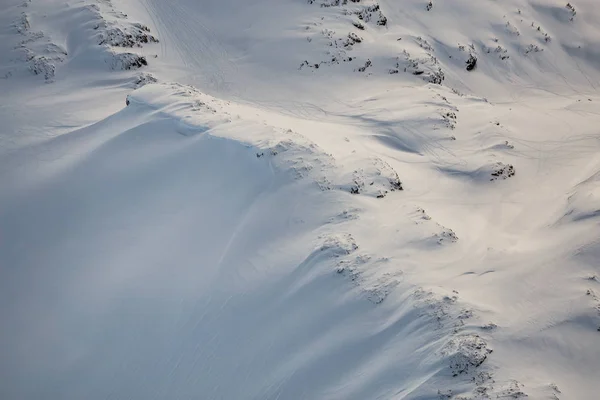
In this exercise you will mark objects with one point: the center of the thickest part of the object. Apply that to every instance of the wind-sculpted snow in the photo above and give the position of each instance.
(218, 162)
(102, 33)
(299, 199)
(38, 51)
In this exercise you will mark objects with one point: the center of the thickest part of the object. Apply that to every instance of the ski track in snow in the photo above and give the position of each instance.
(294, 199)
(192, 41)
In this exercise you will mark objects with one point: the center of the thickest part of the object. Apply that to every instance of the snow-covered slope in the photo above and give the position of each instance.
(299, 199)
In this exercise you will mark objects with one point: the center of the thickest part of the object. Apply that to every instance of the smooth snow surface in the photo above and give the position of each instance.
(299, 199)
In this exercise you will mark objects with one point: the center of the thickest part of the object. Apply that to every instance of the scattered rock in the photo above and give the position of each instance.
(375, 178)
(446, 235)
(362, 270)
(502, 171)
(124, 35)
(489, 327)
(513, 391)
(143, 80)
(41, 65)
(127, 61)
(532, 48)
(466, 353)
(471, 63)
(571, 10)
(22, 24)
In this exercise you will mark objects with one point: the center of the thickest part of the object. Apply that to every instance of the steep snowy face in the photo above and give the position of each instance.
(299, 199)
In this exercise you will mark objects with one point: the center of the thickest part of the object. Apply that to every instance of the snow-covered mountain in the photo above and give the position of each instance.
(299, 199)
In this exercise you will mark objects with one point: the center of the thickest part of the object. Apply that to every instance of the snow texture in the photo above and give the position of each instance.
(299, 199)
